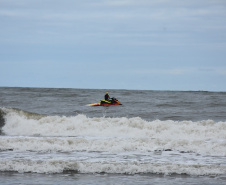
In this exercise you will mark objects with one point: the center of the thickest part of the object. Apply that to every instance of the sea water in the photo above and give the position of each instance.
(49, 136)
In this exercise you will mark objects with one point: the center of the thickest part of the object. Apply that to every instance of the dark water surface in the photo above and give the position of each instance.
(106, 179)
(148, 105)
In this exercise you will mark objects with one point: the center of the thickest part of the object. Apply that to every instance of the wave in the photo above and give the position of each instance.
(2, 121)
(61, 133)
(59, 166)
(114, 145)
(56, 144)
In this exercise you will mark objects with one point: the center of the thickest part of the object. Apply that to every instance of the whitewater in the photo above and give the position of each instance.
(51, 131)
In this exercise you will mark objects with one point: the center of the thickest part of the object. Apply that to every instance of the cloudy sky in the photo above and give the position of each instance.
(114, 44)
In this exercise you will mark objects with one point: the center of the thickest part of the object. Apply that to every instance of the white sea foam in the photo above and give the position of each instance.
(216, 148)
(112, 134)
(53, 144)
(58, 166)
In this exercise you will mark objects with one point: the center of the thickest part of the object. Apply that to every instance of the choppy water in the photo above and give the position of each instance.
(155, 136)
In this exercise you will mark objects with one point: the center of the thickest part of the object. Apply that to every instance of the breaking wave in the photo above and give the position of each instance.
(55, 166)
(61, 133)
(57, 144)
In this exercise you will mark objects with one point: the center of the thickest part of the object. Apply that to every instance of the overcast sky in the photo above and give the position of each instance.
(114, 44)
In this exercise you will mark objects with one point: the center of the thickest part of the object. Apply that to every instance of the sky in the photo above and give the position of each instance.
(114, 44)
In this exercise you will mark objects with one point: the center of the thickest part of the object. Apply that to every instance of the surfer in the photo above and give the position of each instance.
(106, 97)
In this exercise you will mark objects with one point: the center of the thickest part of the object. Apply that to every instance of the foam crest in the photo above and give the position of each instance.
(113, 145)
(58, 166)
(112, 134)
(24, 123)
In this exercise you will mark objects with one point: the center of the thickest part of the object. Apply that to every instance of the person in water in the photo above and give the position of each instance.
(107, 97)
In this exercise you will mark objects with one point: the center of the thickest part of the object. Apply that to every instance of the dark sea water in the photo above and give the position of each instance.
(49, 136)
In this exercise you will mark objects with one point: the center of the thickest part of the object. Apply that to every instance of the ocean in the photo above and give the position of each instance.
(48, 136)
